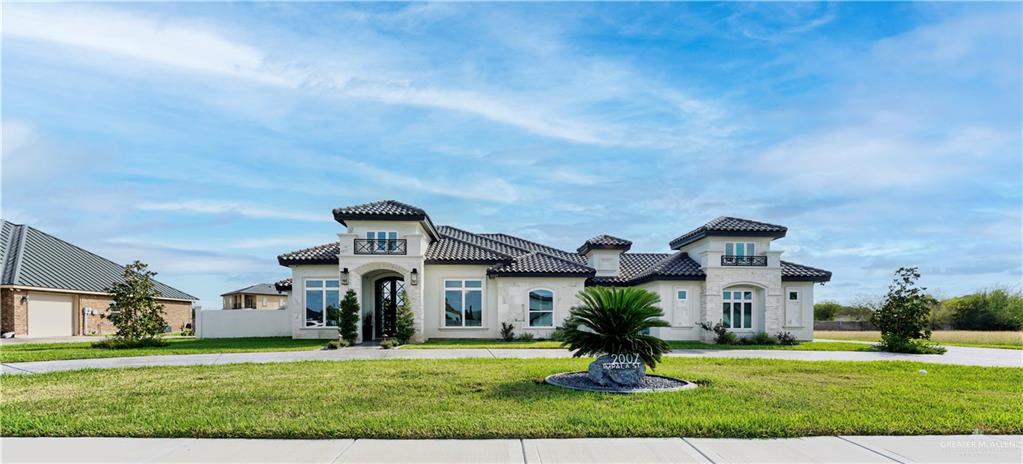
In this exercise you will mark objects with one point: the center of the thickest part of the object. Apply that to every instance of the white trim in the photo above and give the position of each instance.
(323, 290)
(528, 310)
(745, 248)
(462, 288)
(753, 307)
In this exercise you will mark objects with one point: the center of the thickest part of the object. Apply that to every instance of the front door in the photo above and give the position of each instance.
(389, 291)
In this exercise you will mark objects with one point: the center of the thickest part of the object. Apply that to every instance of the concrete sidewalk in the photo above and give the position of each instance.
(990, 357)
(866, 449)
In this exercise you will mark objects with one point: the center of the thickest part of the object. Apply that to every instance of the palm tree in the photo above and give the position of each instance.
(613, 320)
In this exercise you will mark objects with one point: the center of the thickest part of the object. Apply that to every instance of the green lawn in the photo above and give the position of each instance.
(82, 350)
(539, 344)
(502, 398)
(970, 338)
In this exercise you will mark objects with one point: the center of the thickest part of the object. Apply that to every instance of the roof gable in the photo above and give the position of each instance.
(729, 226)
(33, 258)
(604, 242)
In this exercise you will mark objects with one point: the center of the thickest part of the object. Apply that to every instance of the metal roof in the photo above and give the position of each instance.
(33, 258)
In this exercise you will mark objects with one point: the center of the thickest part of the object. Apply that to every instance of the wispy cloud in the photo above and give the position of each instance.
(226, 208)
(488, 189)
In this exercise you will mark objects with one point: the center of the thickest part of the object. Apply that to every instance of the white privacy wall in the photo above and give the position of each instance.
(235, 323)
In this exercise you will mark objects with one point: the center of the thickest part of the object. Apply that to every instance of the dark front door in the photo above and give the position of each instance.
(389, 291)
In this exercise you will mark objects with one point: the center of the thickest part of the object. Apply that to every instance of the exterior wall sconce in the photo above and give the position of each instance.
(414, 277)
(344, 276)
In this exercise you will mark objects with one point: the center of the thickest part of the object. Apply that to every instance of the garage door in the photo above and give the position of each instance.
(49, 315)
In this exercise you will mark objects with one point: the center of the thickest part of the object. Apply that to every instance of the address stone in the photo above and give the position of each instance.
(617, 369)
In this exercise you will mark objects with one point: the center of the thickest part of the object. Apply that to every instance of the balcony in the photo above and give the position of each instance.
(364, 246)
(728, 260)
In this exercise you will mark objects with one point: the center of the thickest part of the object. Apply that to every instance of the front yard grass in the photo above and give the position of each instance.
(969, 338)
(542, 344)
(82, 350)
(504, 398)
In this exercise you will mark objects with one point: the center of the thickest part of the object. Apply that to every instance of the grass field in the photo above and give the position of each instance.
(541, 344)
(83, 350)
(501, 398)
(980, 339)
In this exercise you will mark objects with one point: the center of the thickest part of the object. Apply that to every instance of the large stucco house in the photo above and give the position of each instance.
(465, 285)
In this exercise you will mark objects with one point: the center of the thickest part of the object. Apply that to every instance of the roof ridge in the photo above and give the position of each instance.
(534, 243)
(749, 220)
(659, 266)
(803, 265)
(310, 248)
(526, 250)
(15, 245)
(561, 259)
(466, 242)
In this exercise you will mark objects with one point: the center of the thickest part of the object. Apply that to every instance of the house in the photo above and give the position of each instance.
(465, 285)
(52, 288)
(259, 296)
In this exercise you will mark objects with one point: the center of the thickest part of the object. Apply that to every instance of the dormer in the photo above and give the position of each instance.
(604, 253)
(385, 228)
(731, 241)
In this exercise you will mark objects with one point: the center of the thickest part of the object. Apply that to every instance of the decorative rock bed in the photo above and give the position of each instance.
(649, 383)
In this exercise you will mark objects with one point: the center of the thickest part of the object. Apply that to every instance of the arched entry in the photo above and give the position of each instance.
(388, 292)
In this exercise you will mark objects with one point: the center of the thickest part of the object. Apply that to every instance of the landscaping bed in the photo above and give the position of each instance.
(83, 350)
(501, 398)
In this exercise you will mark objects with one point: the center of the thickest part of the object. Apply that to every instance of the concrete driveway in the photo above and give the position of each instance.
(833, 449)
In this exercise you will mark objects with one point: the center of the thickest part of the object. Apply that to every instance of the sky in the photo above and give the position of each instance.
(206, 139)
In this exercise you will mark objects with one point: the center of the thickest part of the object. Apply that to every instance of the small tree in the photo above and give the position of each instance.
(826, 310)
(348, 323)
(134, 309)
(405, 323)
(903, 318)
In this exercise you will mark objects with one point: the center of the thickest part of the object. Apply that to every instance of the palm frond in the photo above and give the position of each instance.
(616, 320)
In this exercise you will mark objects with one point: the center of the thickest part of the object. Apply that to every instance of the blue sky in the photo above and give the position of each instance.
(205, 139)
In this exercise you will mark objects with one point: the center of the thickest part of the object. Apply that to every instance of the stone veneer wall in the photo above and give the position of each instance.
(767, 278)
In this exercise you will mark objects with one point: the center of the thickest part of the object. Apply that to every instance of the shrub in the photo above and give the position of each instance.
(118, 343)
(525, 337)
(134, 309)
(405, 324)
(507, 332)
(559, 332)
(337, 344)
(786, 338)
(909, 346)
(826, 310)
(389, 343)
(761, 338)
(616, 321)
(997, 309)
(348, 323)
(904, 315)
(721, 334)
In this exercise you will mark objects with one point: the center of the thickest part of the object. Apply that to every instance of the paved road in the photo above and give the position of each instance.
(865, 449)
(955, 355)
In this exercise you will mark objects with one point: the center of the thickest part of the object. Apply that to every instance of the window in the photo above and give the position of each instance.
(541, 308)
(793, 296)
(463, 303)
(740, 249)
(322, 303)
(382, 238)
(681, 295)
(737, 309)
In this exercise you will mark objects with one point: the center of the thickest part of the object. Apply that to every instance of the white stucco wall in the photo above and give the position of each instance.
(242, 323)
(513, 300)
(684, 316)
(433, 302)
(798, 315)
(606, 262)
(296, 300)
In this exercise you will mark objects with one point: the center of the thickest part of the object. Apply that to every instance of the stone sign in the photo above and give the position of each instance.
(620, 369)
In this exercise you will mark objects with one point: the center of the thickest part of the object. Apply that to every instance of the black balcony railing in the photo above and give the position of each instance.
(395, 246)
(727, 260)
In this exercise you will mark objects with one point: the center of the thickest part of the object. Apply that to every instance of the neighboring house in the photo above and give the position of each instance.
(259, 296)
(464, 285)
(51, 288)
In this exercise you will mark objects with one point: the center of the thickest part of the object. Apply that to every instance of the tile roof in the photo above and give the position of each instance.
(387, 210)
(793, 271)
(32, 258)
(319, 254)
(637, 268)
(283, 285)
(604, 242)
(730, 226)
(537, 262)
(258, 289)
(454, 251)
(529, 245)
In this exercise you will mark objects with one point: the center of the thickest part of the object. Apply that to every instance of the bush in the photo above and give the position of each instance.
(722, 335)
(507, 332)
(405, 324)
(525, 337)
(826, 310)
(389, 343)
(616, 321)
(761, 338)
(786, 338)
(134, 309)
(348, 320)
(118, 343)
(997, 309)
(905, 314)
(337, 344)
(909, 346)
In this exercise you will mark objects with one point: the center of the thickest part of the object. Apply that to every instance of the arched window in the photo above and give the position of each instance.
(541, 308)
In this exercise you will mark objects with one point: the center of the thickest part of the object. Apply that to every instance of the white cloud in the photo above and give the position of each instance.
(488, 188)
(230, 209)
(295, 242)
